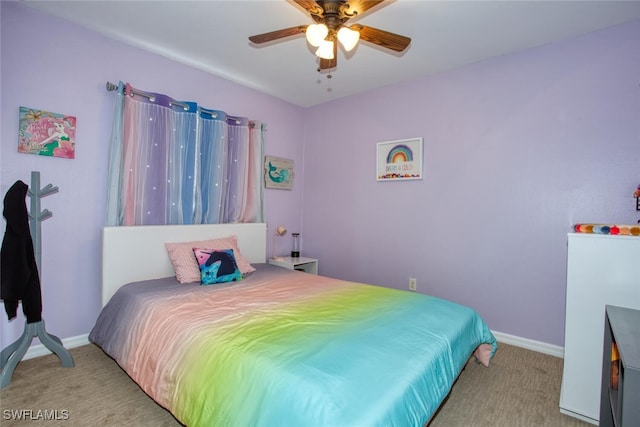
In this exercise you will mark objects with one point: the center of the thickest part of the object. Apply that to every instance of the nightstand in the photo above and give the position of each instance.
(308, 265)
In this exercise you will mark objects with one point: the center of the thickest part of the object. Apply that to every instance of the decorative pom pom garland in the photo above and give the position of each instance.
(627, 230)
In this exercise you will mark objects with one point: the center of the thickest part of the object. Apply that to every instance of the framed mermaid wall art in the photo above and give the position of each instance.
(46, 134)
(278, 173)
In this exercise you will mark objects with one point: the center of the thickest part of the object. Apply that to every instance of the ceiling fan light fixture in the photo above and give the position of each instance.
(329, 28)
(348, 37)
(316, 33)
(325, 50)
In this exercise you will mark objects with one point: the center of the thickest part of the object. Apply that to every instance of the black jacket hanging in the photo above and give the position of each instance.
(19, 279)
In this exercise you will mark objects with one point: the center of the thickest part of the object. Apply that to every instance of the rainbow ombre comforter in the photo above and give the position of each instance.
(285, 348)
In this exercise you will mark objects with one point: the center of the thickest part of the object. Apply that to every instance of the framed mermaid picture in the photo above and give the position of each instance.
(46, 134)
(399, 160)
(278, 173)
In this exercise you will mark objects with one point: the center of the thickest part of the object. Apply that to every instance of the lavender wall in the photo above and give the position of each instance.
(53, 65)
(516, 149)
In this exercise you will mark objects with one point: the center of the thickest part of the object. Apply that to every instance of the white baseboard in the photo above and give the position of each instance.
(71, 342)
(540, 347)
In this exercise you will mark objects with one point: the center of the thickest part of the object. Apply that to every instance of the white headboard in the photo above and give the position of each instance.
(133, 253)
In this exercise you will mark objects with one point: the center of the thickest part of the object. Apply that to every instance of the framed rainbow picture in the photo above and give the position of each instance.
(399, 160)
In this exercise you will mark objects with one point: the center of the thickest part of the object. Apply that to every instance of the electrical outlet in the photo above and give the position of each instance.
(412, 284)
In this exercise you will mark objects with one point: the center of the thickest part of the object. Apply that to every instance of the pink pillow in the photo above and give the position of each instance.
(185, 264)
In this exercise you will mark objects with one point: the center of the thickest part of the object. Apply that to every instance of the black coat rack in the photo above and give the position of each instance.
(13, 354)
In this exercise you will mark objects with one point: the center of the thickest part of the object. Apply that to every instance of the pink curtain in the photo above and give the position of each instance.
(174, 162)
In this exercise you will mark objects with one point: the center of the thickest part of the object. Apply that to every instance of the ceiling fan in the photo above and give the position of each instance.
(331, 17)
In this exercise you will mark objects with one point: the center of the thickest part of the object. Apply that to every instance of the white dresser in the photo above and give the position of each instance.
(601, 270)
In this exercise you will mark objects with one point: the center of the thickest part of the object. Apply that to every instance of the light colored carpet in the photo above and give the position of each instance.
(520, 388)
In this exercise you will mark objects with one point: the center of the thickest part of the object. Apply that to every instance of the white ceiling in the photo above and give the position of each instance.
(213, 36)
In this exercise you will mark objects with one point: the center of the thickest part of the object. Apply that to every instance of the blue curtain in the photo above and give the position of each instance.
(174, 162)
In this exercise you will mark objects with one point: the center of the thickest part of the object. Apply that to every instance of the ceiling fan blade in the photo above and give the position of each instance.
(326, 64)
(278, 34)
(309, 5)
(361, 6)
(382, 38)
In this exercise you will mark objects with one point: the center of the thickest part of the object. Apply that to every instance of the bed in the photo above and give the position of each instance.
(278, 347)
